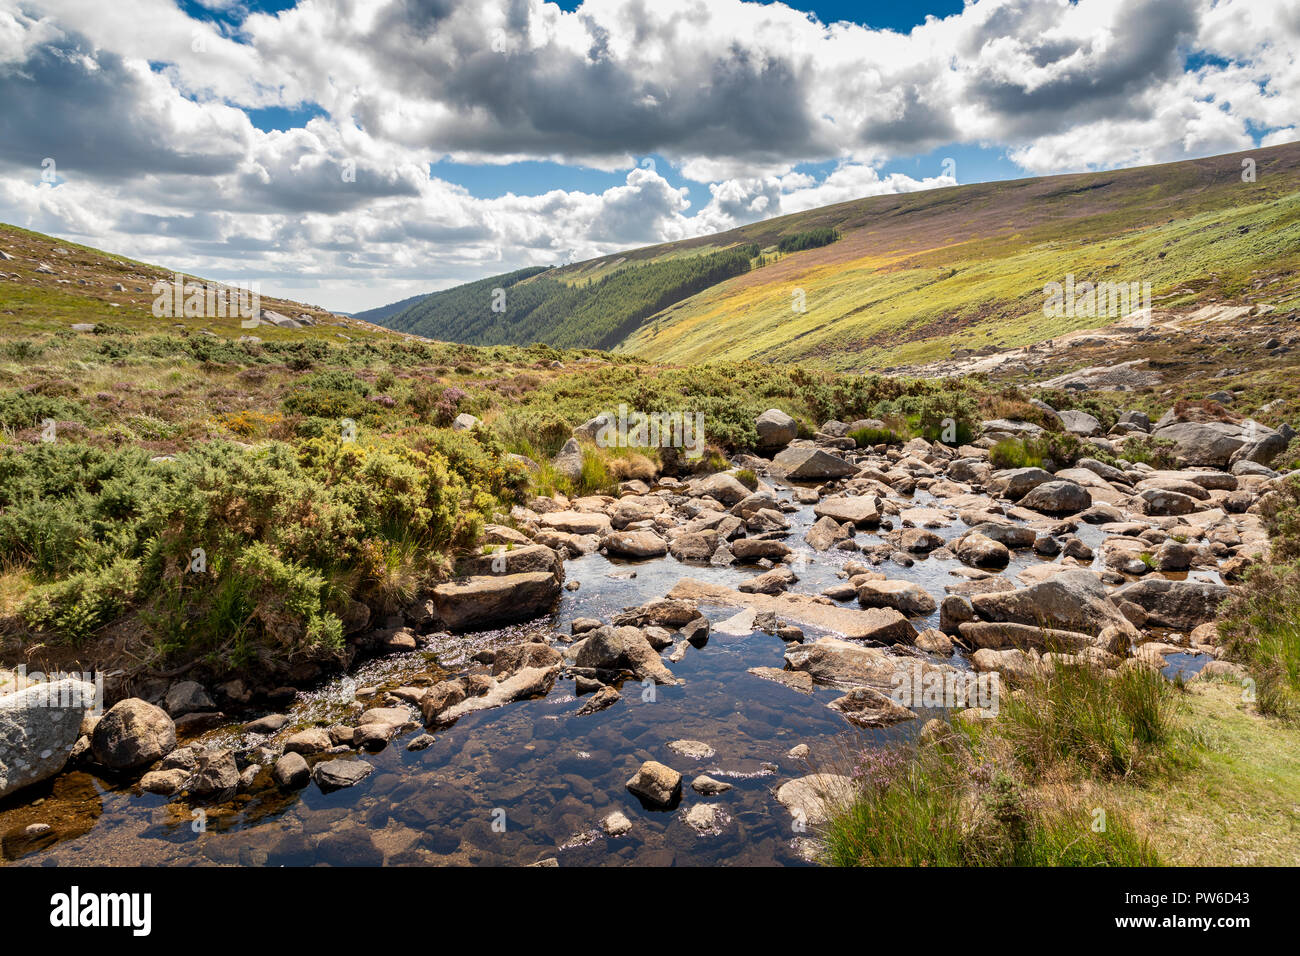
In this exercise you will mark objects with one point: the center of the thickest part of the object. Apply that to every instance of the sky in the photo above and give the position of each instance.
(350, 153)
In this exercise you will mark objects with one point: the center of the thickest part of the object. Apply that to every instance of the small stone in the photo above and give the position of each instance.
(655, 783)
(616, 824)
(706, 785)
(291, 772)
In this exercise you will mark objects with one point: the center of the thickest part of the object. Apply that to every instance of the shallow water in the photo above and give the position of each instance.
(526, 781)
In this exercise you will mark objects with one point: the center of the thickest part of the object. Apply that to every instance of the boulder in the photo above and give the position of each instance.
(1216, 443)
(722, 486)
(1157, 502)
(825, 533)
(291, 772)
(812, 800)
(39, 726)
(1175, 604)
(187, 697)
(903, 596)
(919, 540)
(1080, 423)
(1057, 498)
(883, 625)
(623, 648)
(517, 560)
(524, 684)
(132, 734)
(981, 551)
(776, 429)
(694, 545)
(804, 463)
(1071, 600)
(771, 582)
(576, 522)
(635, 545)
(838, 663)
(478, 603)
(756, 549)
(860, 510)
(1015, 483)
(867, 707)
(216, 776)
(338, 774)
(313, 740)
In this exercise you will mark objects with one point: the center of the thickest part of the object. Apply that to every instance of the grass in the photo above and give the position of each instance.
(1239, 806)
(885, 308)
(1079, 717)
(1002, 794)
(947, 806)
(1260, 628)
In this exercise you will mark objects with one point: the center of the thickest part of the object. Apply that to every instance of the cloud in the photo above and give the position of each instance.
(145, 111)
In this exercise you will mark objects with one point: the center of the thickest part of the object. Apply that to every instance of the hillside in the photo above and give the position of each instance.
(48, 285)
(914, 277)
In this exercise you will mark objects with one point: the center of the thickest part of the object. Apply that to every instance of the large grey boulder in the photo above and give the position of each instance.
(776, 429)
(1073, 600)
(722, 486)
(623, 648)
(1219, 443)
(568, 461)
(1176, 604)
(861, 510)
(635, 545)
(657, 784)
(38, 728)
(132, 734)
(1058, 498)
(804, 463)
(839, 663)
(981, 551)
(1080, 423)
(813, 799)
(1015, 483)
(518, 560)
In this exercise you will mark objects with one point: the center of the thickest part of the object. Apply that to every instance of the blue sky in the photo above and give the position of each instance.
(350, 153)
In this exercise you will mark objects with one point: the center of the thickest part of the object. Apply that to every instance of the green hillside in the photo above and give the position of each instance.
(526, 306)
(911, 277)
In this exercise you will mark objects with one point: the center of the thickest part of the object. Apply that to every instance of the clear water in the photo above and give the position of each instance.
(527, 781)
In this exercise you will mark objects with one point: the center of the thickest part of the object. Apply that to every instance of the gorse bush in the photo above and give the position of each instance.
(290, 534)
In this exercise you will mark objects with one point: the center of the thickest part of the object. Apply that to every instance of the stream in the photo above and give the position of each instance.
(528, 781)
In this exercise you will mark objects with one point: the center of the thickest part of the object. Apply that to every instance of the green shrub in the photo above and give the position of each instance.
(1013, 453)
(870, 437)
(75, 607)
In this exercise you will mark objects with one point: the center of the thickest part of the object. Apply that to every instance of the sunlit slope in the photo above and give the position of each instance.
(918, 277)
(48, 284)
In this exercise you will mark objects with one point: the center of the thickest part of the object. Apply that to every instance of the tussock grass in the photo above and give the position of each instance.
(1005, 793)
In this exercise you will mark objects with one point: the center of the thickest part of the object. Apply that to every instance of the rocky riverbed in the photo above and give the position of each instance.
(654, 677)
